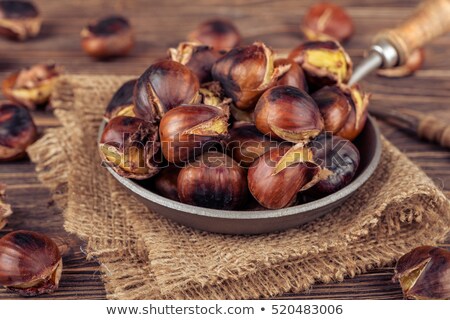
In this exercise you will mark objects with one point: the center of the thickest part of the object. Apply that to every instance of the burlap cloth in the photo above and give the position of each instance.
(145, 256)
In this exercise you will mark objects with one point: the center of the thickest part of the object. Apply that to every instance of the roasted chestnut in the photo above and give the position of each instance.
(324, 63)
(189, 130)
(5, 208)
(197, 57)
(245, 143)
(276, 177)
(424, 273)
(121, 104)
(414, 62)
(214, 180)
(327, 21)
(217, 33)
(288, 113)
(31, 87)
(212, 94)
(163, 86)
(338, 158)
(19, 20)
(246, 72)
(130, 146)
(107, 38)
(165, 183)
(359, 102)
(30, 263)
(294, 77)
(17, 131)
(334, 106)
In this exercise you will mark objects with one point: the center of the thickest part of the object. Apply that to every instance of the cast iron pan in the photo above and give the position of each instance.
(255, 222)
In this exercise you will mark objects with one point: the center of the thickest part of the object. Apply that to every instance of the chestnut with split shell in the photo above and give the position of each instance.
(188, 130)
(163, 86)
(214, 180)
(218, 33)
(30, 263)
(121, 104)
(424, 273)
(19, 20)
(246, 72)
(17, 131)
(31, 87)
(130, 146)
(288, 113)
(107, 38)
(5, 208)
(327, 21)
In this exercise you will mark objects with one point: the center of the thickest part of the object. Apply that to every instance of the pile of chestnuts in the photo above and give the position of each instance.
(223, 126)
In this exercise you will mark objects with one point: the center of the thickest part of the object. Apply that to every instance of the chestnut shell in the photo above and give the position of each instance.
(121, 99)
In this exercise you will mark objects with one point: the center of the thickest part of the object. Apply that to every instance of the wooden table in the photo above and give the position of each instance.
(161, 24)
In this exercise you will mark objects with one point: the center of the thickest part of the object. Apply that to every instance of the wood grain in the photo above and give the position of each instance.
(160, 24)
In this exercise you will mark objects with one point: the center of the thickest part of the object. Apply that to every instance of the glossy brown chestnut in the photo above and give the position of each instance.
(334, 107)
(165, 183)
(214, 180)
(359, 103)
(31, 87)
(163, 86)
(130, 146)
(197, 57)
(107, 38)
(189, 130)
(5, 208)
(414, 62)
(339, 159)
(324, 63)
(276, 177)
(121, 104)
(246, 143)
(424, 273)
(327, 21)
(17, 131)
(217, 33)
(19, 20)
(294, 77)
(246, 72)
(288, 113)
(30, 263)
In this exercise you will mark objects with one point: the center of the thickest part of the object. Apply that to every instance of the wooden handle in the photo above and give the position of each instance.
(430, 20)
(433, 129)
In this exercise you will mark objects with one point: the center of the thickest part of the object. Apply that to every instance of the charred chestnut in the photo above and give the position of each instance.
(5, 208)
(214, 180)
(246, 72)
(121, 104)
(163, 86)
(424, 273)
(294, 77)
(19, 20)
(288, 113)
(30, 263)
(107, 38)
(219, 34)
(245, 143)
(165, 183)
(327, 21)
(197, 57)
(324, 63)
(17, 131)
(276, 177)
(339, 160)
(414, 62)
(31, 87)
(189, 130)
(334, 107)
(130, 146)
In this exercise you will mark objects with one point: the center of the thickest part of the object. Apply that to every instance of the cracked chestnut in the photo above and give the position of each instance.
(107, 38)
(213, 180)
(163, 86)
(130, 146)
(217, 33)
(19, 20)
(17, 131)
(121, 104)
(30, 263)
